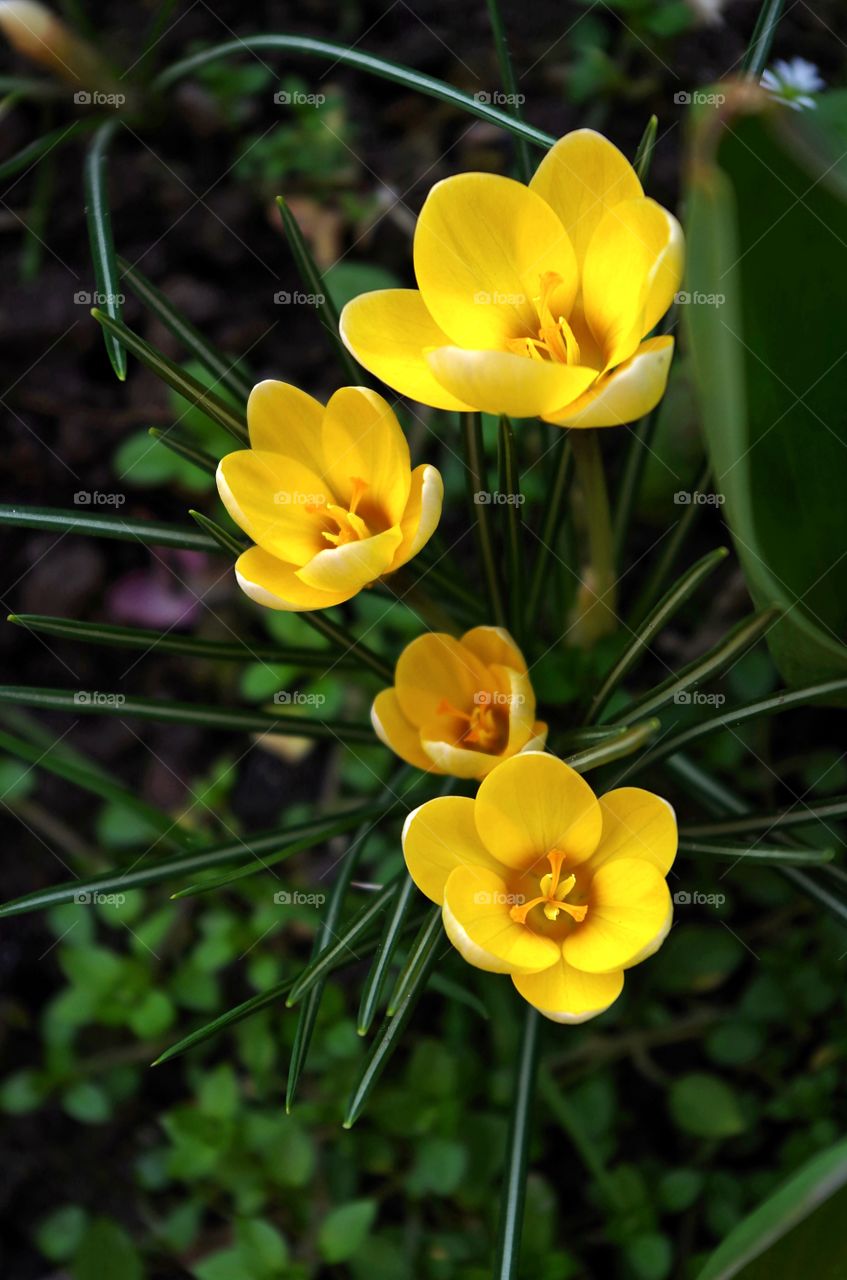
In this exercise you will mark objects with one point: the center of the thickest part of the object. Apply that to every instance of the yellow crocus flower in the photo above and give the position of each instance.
(459, 706)
(532, 301)
(327, 494)
(540, 879)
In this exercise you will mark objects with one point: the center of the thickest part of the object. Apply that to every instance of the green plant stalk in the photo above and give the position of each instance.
(477, 482)
(378, 975)
(595, 610)
(652, 625)
(426, 941)
(636, 458)
(224, 1020)
(513, 1193)
(227, 718)
(566, 1114)
(510, 483)
(343, 946)
(183, 383)
(184, 449)
(644, 152)
(673, 544)
(339, 53)
(754, 853)
(103, 258)
(134, 638)
(347, 645)
(224, 370)
(758, 50)
(614, 748)
(836, 807)
(510, 84)
(550, 526)
(148, 532)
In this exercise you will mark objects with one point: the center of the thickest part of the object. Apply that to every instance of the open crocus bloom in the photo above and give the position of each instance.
(327, 494)
(459, 706)
(532, 301)
(538, 878)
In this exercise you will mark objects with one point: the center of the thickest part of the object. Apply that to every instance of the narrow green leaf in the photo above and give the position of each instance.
(238, 719)
(374, 814)
(347, 645)
(758, 50)
(638, 450)
(797, 816)
(378, 975)
(738, 641)
(644, 151)
(513, 1192)
(227, 541)
(184, 383)
(425, 953)
(339, 53)
(148, 532)
(314, 283)
(658, 618)
(260, 844)
(550, 526)
(344, 944)
(184, 449)
(224, 1020)
(171, 642)
(727, 852)
(92, 778)
(566, 1113)
(615, 748)
(226, 371)
(784, 701)
(99, 219)
(510, 85)
(671, 547)
(48, 142)
(510, 484)
(588, 736)
(479, 498)
(427, 938)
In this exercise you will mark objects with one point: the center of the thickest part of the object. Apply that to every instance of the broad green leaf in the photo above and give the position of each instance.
(798, 1231)
(344, 1229)
(767, 225)
(703, 1105)
(107, 1253)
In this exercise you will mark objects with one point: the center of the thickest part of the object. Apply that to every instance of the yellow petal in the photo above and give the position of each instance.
(476, 918)
(520, 706)
(636, 824)
(276, 500)
(352, 566)
(629, 917)
(392, 728)
(422, 514)
(363, 442)
(581, 177)
(534, 803)
(387, 331)
(626, 393)
(275, 584)
(456, 761)
(632, 269)
(435, 668)
(494, 645)
(440, 836)
(565, 994)
(283, 419)
(501, 382)
(482, 244)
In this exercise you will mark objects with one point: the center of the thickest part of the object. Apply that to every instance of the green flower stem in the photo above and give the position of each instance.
(594, 614)
(758, 50)
(510, 84)
(510, 483)
(550, 526)
(348, 646)
(513, 1192)
(671, 548)
(478, 487)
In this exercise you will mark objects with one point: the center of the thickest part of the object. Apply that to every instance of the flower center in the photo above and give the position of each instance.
(556, 340)
(554, 890)
(487, 725)
(349, 527)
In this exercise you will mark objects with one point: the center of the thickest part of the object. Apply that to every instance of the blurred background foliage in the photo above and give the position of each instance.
(718, 1074)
